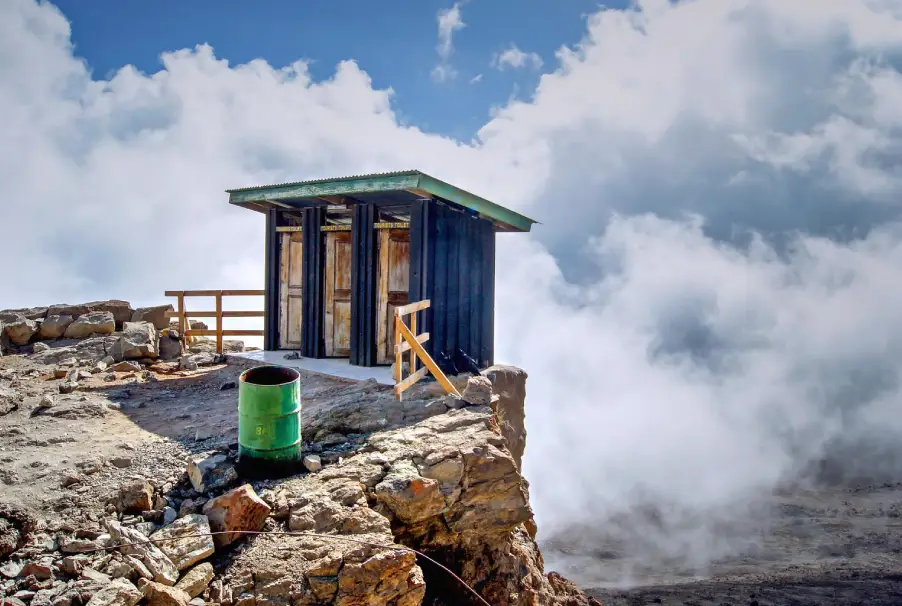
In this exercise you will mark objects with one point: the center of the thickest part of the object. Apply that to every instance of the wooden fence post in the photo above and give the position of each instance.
(219, 322)
(183, 321)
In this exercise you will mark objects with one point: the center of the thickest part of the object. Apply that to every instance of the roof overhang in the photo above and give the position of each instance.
(397, 187)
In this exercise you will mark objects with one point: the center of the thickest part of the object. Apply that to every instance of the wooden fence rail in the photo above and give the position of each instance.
(185, 330)
(407, 339)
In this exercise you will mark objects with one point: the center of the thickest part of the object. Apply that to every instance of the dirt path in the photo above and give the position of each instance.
(140, 425)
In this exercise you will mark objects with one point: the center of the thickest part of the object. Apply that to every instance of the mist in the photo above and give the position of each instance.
(707, 310)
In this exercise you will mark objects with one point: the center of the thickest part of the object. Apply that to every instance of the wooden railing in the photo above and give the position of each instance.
(183, 315)
(407, 339)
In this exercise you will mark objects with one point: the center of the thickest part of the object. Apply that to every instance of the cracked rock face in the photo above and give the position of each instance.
(446, 486)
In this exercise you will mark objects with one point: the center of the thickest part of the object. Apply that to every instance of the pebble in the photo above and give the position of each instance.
(46, 401)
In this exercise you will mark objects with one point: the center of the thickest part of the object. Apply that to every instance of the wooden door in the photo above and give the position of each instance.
(393, 280)
(290, 290)
(338, 294)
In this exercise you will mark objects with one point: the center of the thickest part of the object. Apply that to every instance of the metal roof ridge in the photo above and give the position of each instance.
(391, 173)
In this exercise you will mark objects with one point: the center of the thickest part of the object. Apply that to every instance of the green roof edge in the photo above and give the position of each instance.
(479, 204)
(399, 180)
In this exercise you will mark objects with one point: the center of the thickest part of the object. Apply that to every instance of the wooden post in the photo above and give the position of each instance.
(183, 321)
(398, 358)
(413, 354)
(219, 322)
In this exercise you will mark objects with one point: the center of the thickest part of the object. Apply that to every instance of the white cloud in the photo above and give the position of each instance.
(710, 300)
(450, 20)
(515, 58)
(476, 79)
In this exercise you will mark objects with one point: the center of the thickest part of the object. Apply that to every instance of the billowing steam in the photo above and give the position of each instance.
(709, 311)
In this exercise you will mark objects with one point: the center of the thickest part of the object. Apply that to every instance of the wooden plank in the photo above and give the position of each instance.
(398, 323)
(410, 381)
(284, 265)
(226, 333)
(213, 293)
(219, 324)
(426, 359)
(295, 290)
(329, 319)
(421, 338)
(403, 310)
(212, 314)
(242, 293)
(338, 295)
(243, 314)
(413, 331)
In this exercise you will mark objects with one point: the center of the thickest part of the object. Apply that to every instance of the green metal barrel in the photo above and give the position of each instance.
(269, 421)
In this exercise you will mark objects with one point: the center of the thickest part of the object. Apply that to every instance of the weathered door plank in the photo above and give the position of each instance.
(393, 277)
(290, 290)
(338, 294)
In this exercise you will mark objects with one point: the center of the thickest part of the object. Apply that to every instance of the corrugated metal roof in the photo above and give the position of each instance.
(392, 173)
(407, 181)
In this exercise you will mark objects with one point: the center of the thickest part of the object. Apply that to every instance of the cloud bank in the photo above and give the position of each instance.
(707, 310)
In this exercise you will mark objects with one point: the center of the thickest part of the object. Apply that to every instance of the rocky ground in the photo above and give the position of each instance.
(832, 545)
(117, 465)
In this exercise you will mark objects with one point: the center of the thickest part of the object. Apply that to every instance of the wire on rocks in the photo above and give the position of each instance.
(299, 534)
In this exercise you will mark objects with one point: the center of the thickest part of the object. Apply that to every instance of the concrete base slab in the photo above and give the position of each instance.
(335, 367)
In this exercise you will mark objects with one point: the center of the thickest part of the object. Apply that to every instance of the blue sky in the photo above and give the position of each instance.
(393, 41)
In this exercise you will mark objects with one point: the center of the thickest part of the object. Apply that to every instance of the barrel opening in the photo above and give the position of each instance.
(270, 375)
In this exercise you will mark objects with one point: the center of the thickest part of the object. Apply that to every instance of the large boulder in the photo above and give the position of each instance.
(509, 406)
(170, 345)
(54, 327)
(64, 309)
(237, 510)
(91, 323)
(119, 592)
(196, 580)
(158, 594)
(138, 340)
(122, 310)
(21, 330)
(132, 542)
(195, 545)
(156, 315)
(31, 313)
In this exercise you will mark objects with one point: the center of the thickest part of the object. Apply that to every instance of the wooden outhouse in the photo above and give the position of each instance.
(342, 253)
